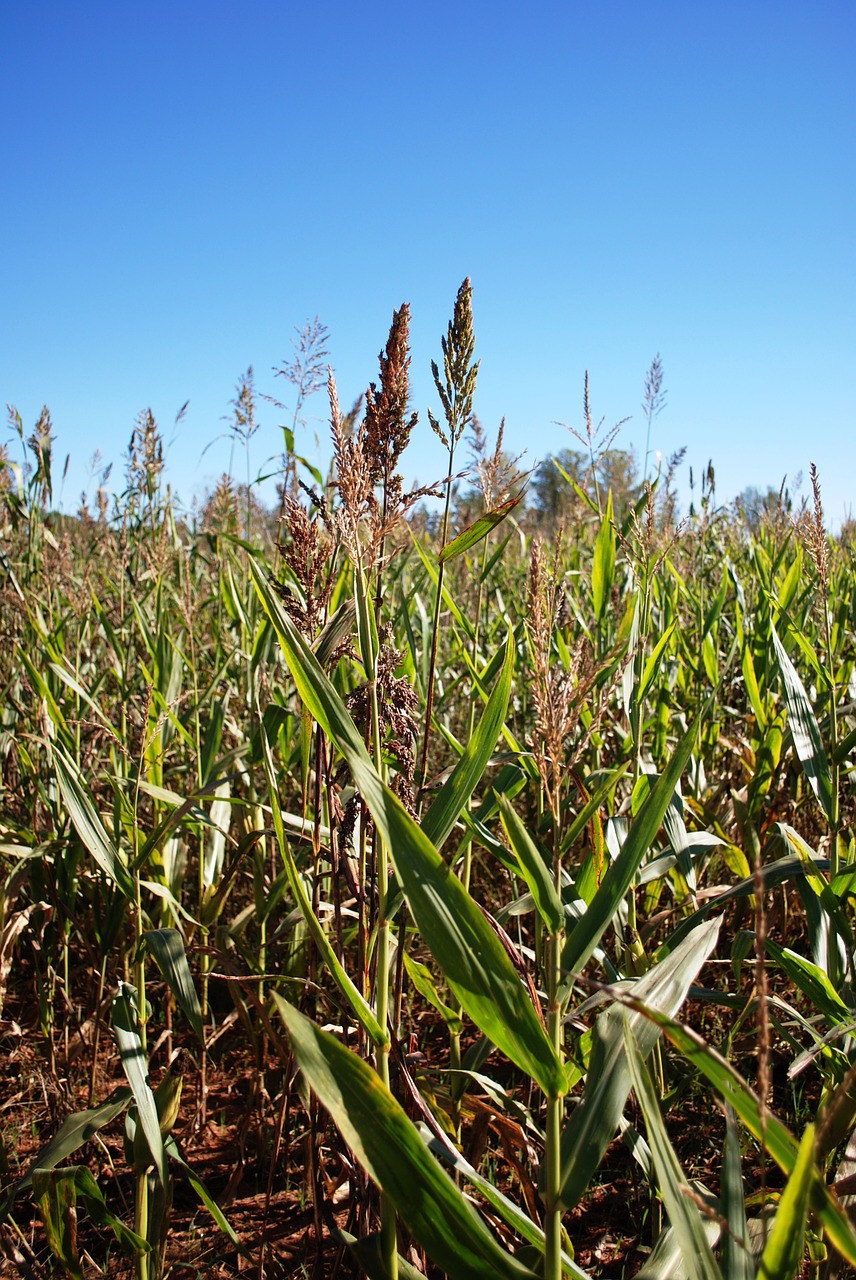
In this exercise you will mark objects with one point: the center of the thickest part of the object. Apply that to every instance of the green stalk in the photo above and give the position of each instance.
(466, 870)
(555, 1105)
(141, 1224)
(389, 1242)
(834, 766)
(435, 633)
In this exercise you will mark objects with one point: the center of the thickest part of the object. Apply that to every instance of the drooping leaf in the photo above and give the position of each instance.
(421, 978)
(619, 877)
(167, 948)
(359, 1005)
(811, 980)
(127, 1032)
(388, 1146)
(808, 743)
(783, 1253)
(56, 1196)
(737, 1260)
(476, 531)
(594, 1121)
(683, 1214)
(511, 1213)
(205, 1197)
(88, 825)
(473, 961)
(653, 661)
(533, 868)
(74, 1131)
(368, 1253)
(64, 1186)
(449, 802)
(777, 1139)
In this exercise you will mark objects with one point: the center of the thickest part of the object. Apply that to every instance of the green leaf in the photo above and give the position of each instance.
(619, 877)
(595, 1119)
(449, 802)
(533, 868)
(603, 568)
(473, 961)
(776, 1138)
(772, 874)
(683, 1214)
(368, 1254)
(650, 669)
(519, 1222)
(167, 948)
(127, 1032)
(55, 1194)
(476, 531)
(737, 1261)
(811, 980)
(783, 1254)
(420, 976)
(78, 1181)
(388, 1146)
(334, 632)
(74, 1131)
(581, 493)
(204, 1195)
(88, 825)
(460, 618)
(359, 1005)
(808, 743)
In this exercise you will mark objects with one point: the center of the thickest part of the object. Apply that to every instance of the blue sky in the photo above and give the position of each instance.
(186, 183)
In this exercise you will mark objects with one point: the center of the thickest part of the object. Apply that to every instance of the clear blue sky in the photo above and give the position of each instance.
(186, 182)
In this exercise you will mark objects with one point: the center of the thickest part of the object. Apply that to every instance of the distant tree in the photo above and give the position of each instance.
(551, 497)
(618, 470)
(757, 507)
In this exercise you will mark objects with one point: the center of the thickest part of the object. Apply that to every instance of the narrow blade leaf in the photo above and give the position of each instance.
(473, 960)
(808, 743)
(737, 1261)
(619, 877)
(683, 1214)
(127, 1032)
(464, 778)
(603, 568)
(533, 868)
(88, 825)
(74, 1131)
(167, 948)
(784, 1250)
(476, 531)
(595, 1119)
(388, 1146)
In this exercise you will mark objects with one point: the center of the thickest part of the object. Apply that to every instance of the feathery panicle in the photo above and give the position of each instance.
(595, 439)
(353, 475)
(221, 513)
(307, 554)
(457, 386)
(307, 368)
(145, 454)
(387, 425)
(244, 422)
(814, 533)
(5, 470)
(557, 693)
(496, 473)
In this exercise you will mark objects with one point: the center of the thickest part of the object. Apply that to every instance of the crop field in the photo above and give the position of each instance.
(392, 889)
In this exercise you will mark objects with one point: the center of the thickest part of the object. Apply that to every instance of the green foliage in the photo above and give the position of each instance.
(477, 813)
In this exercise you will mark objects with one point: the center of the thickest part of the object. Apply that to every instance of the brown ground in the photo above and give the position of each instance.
(265, 1188)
